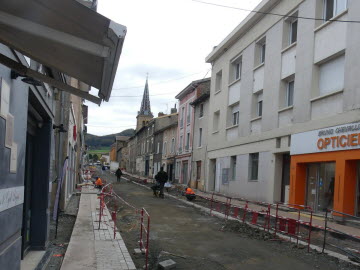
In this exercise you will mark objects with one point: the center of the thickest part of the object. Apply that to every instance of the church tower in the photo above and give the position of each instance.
(145, 114)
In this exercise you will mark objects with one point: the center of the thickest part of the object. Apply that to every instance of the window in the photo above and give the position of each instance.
(289, 93)
(235, 118)
(200, 137)
(216, 121)
(201, 110)
(188, 114)
(198, 170)
(331, 76)
(218, 81)
(262, 53)
(333, 8)
(172, 145)
(253, 166)
(187, 141)
(259, 104)
(182, 117)
(177, 169)
(158, 148)
(260, 50)
(233, 168)
(235, 69)
(164, 148)
(293, 32)
(180, 143)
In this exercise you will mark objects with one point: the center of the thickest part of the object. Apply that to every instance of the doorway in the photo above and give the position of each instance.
(285, 179)
(212, 174)
(185, 173)
(147, 167)
(320, 186)
(27, 207)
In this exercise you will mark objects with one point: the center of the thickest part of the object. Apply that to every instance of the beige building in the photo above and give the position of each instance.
(273, 77)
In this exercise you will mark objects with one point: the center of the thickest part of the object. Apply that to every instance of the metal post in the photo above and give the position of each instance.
(100, 211)
(298, 228)
(147, 243)
(324, 243)
(141, 227)
(245, 212)
(310, 228)
(276, 218)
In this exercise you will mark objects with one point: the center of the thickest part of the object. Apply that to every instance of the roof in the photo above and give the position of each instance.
(191, 87)
(122, 138)
(145, 108)
(241, 29)
(66, 36)
(200, 99)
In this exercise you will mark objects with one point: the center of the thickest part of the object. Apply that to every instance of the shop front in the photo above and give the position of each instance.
(325, 169)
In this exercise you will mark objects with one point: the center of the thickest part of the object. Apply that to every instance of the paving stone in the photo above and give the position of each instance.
(168, 264)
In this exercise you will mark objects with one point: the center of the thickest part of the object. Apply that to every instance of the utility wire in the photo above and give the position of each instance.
(162, 94)
(275, 14)
(161, 82)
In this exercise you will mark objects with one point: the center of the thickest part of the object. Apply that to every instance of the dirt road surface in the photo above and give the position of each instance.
(200, 241)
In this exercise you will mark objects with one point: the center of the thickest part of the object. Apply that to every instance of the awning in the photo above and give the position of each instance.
(66, 36)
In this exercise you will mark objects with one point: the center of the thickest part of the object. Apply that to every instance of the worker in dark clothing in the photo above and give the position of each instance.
(118, 174)
(161, 178)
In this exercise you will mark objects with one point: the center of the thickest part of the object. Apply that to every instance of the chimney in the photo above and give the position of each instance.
(160, 114)
(173, 110)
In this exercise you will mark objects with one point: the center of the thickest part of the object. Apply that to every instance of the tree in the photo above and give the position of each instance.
(90, 156)
(95, 158)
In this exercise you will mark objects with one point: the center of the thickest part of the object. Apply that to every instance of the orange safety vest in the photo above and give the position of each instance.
(189, 191)
(98, 182)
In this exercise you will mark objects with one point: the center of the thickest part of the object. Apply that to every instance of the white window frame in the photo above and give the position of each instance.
(158, 148)
(236, 68)
(235, 118)
(335, 8)
(291, 23)
(164, 148)
(259, 104)
(289, 95)
(262, 52)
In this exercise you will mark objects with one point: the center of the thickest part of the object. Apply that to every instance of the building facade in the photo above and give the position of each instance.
(274, 77)
(199, 152)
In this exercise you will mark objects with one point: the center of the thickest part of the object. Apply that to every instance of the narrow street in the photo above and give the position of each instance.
(200, 241)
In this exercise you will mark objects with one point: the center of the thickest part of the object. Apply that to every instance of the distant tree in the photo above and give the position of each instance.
(90, 156)
(95, 158)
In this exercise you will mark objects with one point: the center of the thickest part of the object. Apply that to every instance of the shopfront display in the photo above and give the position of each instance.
(325, 169)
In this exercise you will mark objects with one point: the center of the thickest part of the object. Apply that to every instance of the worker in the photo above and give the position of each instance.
(189, 194)
(161, 178)
(98, 183)
(118, 174)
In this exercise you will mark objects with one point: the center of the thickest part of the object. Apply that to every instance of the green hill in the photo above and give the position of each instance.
(104, 142)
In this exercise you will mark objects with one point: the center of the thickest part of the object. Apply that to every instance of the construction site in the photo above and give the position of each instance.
(124, 226)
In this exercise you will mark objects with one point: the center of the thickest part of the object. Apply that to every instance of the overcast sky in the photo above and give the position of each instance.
(169, 39)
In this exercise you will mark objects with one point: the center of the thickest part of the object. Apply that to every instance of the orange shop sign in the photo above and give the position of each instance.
(344, 137)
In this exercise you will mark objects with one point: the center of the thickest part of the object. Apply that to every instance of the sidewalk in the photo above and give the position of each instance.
(91, 248)
(317, 221)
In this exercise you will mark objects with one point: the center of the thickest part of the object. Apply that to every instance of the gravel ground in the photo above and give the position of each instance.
(58, 246)
(196, 240)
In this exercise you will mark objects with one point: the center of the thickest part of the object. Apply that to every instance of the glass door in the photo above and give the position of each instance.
(320, 186)
(311, 189)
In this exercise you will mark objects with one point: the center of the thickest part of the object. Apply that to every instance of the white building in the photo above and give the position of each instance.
(276, 76)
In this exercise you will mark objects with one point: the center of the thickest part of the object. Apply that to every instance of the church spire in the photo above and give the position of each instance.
(145, 103)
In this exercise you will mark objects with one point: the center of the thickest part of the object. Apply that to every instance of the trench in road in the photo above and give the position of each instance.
(186, 231)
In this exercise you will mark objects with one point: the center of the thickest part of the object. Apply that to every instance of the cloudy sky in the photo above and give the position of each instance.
(169, 39)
